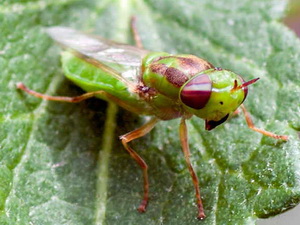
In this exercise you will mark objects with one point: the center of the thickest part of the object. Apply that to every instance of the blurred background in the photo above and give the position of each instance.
(293, 16)
(291, 217)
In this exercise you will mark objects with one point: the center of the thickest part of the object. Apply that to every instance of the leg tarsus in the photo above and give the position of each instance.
(136, 36)
(142, 207)
(253, 127)
(126, 138)
(186, 152)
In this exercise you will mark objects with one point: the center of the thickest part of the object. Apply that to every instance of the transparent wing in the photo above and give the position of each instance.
(124, 61)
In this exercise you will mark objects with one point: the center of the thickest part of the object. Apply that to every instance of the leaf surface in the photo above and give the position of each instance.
(57, 165)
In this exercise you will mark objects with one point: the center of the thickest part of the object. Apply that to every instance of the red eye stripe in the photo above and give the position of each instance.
(196, 92)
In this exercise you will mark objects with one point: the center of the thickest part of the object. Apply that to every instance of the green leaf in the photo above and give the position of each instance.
(63, 164)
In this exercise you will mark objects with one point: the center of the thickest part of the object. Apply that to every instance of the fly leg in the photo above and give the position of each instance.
(253, 127)
(146, 128)
(126, 138)
(75, 99)
(186, 151)
(136, 35)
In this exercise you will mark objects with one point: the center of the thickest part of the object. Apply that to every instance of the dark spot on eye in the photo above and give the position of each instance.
(221, 103)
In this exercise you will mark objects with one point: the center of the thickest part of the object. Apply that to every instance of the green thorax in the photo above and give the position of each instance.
(166, 73)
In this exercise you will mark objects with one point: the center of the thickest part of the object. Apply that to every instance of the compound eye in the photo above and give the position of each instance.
(196, 92)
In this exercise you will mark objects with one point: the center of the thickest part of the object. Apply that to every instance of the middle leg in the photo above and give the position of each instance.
(126, 138)
(136, 35)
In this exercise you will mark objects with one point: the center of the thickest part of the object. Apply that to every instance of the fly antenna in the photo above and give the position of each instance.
(234, 86)
(245, 84)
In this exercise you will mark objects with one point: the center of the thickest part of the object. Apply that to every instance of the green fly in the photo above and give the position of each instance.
(159, 84)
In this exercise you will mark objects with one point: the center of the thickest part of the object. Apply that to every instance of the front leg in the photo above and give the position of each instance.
(186, 151)
(264, 132)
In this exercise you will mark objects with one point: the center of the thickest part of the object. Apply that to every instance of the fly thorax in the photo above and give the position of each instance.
(167, 73)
